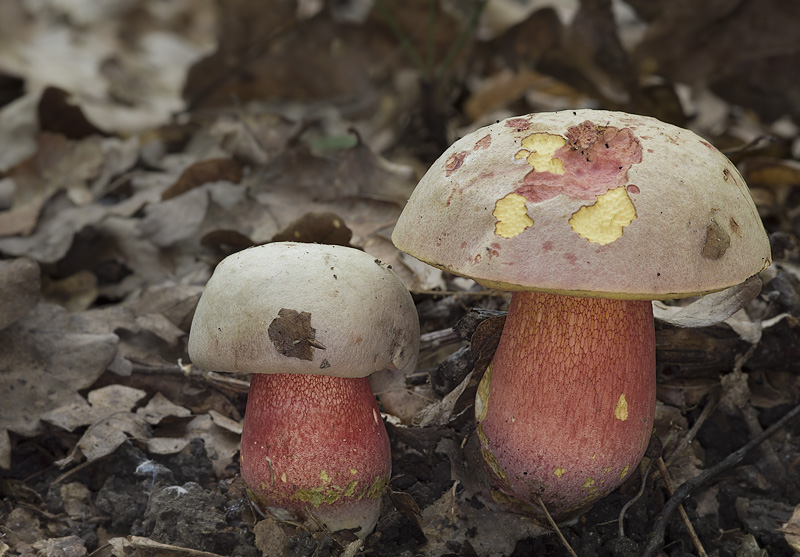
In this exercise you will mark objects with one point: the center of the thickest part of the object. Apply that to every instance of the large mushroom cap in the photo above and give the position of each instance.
(304, 308)
(586, 202)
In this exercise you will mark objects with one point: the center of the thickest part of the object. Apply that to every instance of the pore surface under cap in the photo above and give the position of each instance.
(304, 308)
(586, 202)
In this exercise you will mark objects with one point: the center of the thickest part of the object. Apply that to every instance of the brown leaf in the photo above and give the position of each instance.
(226, 242)
(407, 506)
(203, 172)
(292, 334)
(320, 228)
(58, 115)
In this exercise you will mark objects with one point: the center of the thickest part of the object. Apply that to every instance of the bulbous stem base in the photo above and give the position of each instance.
(316, 446)
(566, 409)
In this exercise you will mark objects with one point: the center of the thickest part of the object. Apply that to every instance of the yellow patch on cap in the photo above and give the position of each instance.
(559, 471)
(588, 483)
(512, 216)
(624, 471)
(603, 221)
(621, 411)
(538, 149)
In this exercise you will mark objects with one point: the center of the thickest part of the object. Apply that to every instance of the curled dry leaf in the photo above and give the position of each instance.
(711, 308)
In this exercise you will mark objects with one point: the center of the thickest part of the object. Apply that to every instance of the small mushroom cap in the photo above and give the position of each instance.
(586, 202)
(304, 308)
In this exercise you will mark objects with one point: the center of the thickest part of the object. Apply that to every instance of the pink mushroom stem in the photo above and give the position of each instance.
(316, 445)
(565, 411)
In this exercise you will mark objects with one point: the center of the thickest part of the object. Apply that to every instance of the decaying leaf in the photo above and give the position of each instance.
(490, 532)
(791, 530)
(46, 359)
(159, 407)
(221, 444)
(711, 308)
(19, 284)
(101, 404)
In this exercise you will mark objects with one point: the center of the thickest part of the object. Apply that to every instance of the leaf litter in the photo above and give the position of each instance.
(144, 142)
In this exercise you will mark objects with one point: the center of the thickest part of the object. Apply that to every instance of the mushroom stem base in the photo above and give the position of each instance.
(566, 409)
(316, 446)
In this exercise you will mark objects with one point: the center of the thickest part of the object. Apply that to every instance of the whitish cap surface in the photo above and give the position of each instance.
(304, 308)
(586, 202)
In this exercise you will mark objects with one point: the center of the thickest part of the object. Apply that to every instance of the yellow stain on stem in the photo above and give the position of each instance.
(621, 411)
(512, 216)
(482, 395)
(603, 221)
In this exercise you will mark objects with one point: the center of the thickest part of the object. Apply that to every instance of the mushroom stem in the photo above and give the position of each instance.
(316, 445)
(565, 411)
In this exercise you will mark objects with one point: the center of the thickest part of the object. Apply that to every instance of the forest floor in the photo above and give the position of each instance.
(142, 142)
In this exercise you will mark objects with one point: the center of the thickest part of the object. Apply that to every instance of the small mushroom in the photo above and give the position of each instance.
(586, 216)
(311, 323)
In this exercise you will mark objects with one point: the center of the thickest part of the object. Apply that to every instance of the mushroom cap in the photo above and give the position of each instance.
(272, 309)
(586, 203)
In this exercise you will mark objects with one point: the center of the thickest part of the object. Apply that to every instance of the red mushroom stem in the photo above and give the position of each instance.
(316, 445)
(565, 411)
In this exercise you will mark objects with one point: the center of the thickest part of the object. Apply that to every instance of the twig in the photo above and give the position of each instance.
(635, 498)
(662, 467)
(556, 528)
(751, 145)
(692, 433)
(656, 537)
(435, 339)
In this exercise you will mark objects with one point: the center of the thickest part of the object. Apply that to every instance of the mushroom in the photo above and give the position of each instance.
(586, 216)
(311, 323)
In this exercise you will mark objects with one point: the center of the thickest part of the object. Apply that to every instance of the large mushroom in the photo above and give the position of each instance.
(587, 216)
(311, 323)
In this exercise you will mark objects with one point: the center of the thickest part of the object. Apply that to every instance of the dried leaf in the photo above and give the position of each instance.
(791, 530)
(20, 284)
(46, 359)
(18, 127)
(176, 219)
(160, 407)
(221, 444)
(711, 308)
(490, 532)
(396, 397)
(203, 172)
(57, 115)
(320, 228)
(102, 403)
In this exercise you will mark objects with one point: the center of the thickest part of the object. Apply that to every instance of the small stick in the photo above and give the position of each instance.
(656, 537)
(635, 498)
(555, 527)
(662, 467)
(712, 404)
